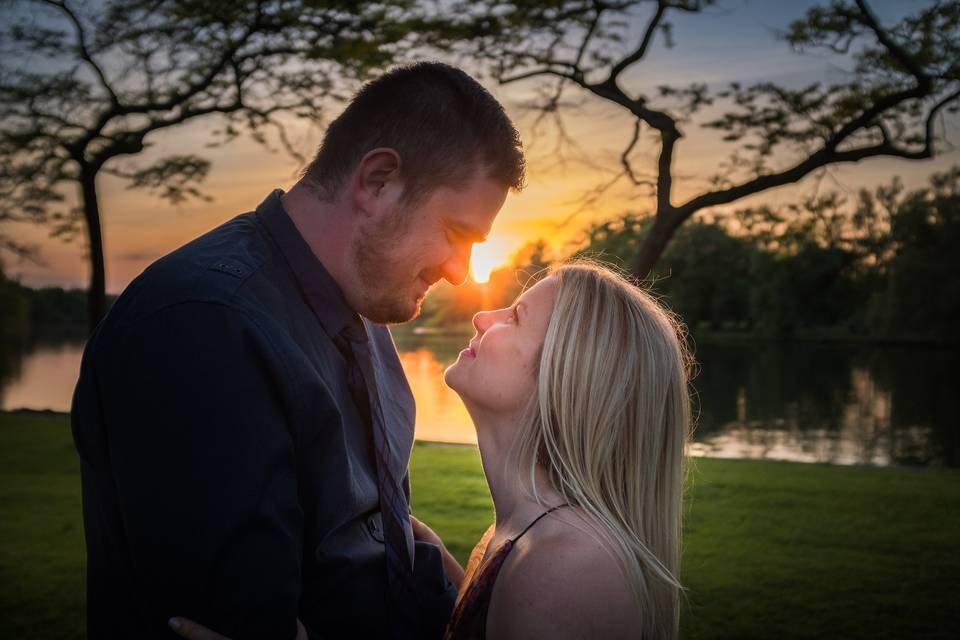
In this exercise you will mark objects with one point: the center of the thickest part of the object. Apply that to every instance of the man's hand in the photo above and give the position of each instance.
(450, 565)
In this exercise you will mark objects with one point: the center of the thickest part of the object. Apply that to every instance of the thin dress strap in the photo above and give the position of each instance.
(537, 519)
(469, 618)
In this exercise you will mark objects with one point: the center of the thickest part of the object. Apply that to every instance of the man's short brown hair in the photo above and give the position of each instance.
(441, 122)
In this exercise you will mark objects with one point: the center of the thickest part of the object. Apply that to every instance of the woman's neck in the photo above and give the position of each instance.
(512, 502)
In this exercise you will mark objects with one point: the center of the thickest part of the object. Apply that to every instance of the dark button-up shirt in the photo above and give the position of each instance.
(227, 474)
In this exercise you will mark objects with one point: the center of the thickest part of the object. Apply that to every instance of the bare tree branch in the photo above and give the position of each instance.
(641, 50)
(625, 156)
(906, 76)
(82, 50)
(540, 72)
(171, 62)
(906, 60)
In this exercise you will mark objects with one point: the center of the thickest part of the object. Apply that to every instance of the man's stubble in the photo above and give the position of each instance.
(384, 270)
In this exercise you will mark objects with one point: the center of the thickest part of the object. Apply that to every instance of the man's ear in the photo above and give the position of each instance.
(376, 177)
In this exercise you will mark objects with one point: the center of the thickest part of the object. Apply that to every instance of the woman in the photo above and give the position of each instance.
(579, 396)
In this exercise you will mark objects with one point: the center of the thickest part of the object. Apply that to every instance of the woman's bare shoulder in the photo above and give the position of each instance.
(562, 581)
(476, 556)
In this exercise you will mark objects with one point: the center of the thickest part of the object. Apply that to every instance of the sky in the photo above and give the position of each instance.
(734, 42)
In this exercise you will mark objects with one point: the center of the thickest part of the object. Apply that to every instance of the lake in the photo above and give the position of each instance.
(804, 402)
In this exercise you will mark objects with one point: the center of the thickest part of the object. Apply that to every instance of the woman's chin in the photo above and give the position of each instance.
(450, 376)
(453, 377)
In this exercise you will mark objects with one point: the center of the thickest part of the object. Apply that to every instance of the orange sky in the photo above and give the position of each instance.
(139, 228)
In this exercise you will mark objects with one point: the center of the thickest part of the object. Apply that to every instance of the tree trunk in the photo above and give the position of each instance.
(654, 244)
(96, 295)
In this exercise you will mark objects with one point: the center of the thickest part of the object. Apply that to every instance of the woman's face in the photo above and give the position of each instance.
(498, 370)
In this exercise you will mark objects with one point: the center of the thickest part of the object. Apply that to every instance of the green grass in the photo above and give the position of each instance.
(41, 529)
(772, 550)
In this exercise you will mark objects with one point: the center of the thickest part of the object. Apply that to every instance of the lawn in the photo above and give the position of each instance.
(772, 550)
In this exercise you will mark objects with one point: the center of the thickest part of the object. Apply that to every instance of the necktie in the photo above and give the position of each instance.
(401, 588)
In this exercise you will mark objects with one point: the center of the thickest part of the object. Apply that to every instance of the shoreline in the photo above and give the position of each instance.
(50, 413)
(826, 336)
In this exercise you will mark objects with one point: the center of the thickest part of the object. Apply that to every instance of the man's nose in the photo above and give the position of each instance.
(457, 266)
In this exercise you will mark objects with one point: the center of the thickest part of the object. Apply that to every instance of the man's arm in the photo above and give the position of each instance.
(195, 402)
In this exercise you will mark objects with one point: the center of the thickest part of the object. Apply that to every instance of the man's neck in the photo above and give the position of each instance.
(325, 226)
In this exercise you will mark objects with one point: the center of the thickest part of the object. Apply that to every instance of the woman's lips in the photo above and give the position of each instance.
(469, 352)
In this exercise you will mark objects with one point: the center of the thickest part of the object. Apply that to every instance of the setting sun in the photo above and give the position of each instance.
(487, 257)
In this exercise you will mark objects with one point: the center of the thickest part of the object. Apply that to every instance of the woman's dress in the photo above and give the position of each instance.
(469, 618)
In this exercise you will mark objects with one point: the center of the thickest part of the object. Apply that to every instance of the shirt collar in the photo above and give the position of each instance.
(318, 287)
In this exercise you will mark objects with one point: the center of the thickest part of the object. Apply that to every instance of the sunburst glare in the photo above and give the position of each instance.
(487, 257)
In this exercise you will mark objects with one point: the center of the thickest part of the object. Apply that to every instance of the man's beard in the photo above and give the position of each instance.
(384, 300)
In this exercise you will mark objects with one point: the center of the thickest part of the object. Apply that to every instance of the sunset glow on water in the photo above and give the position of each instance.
(441, 415)
(869, 416)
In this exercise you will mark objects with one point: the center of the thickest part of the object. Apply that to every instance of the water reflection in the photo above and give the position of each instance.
(815, 403)
(809, 403)
(806, 403)
(440, 413)
(41, 377)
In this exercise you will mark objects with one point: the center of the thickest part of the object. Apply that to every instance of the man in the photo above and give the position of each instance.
(241, 415)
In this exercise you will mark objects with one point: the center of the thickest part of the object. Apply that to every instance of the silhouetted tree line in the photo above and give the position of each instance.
(47, 314)
(884, 266)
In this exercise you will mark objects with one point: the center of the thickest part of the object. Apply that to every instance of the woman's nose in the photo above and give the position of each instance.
(481, 321)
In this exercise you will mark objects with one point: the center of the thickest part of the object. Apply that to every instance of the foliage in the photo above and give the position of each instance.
(16, 306)
(882, 266)
(922, 287)
(58, 314)
(447, 305)
(901, 78)
(885, 267)
(50, 314)
(528, 265)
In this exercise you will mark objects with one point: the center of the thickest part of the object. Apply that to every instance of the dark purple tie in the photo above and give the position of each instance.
(394, 511)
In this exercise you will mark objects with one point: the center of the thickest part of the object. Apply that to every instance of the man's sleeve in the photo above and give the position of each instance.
(196, 404)
(436, 595)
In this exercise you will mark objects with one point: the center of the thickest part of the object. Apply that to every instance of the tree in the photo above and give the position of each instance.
(883, 266)
(83, 86)
(903, 77)
(15, 316)
(921, 291)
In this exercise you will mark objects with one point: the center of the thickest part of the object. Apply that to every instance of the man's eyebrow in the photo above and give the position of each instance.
(473, 233)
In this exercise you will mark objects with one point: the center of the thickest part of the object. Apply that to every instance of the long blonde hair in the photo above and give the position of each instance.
(609, 423)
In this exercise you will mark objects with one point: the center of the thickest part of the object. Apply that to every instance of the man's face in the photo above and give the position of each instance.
(401, 253)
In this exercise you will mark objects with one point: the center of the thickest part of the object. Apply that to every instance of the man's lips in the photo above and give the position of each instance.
(427, 283)
(424, 287)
